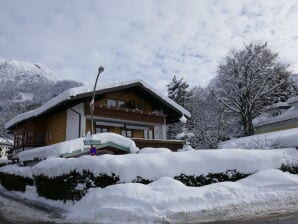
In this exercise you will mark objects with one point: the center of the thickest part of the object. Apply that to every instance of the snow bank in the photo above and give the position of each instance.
(152, 166)
(17, 170)
(76, 144)
(278, 139)
(154, 150)
(167, 200)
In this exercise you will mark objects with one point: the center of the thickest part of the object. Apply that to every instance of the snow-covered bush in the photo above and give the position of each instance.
(72, 186)
(193, 168)
(16, 178)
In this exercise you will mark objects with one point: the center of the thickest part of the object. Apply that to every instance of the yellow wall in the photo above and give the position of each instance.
(56, 124)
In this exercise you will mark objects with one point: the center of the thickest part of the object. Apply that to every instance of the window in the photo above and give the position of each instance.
(101, 129)
(48, 136)
(112, 103)
(20, 139)
(40, 137)
(121, 103)
(126, 133)
(148, 134)
(275, 113)
(29, 137)
(140, 106)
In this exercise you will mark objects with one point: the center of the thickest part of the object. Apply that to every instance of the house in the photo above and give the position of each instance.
(133, 109)
(5, 147)
(277, 117)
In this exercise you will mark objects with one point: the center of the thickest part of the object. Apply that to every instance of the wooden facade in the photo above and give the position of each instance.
(42, 131)
(130, 112)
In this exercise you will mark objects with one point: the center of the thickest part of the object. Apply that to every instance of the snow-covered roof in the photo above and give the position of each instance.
(277, 139)
(291, 113)
(73, 92)
(277, 105)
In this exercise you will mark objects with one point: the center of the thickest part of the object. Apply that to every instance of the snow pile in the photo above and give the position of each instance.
(4, 161)
(278, 139)
(17, 170)
(167, 200)
(74, 145)
(152, 166)
(154, 150)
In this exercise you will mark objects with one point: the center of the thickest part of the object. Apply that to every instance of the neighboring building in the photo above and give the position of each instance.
(5, 147)
(132, 109)
(277, 117)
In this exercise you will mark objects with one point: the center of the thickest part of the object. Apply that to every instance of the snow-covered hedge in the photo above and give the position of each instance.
(155, 165)
(58, 178)
(169, 201)
(74, 145)
(14, 177)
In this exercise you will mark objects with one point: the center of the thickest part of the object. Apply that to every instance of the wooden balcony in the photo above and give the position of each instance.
(127, 114)
(173, 145)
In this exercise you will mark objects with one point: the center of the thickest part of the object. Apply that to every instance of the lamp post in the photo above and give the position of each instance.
(100, 70)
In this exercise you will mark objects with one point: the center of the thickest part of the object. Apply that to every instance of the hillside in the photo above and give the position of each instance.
(25, 86)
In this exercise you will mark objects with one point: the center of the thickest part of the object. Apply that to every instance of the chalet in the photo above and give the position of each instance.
(133, 109)
(277, 117)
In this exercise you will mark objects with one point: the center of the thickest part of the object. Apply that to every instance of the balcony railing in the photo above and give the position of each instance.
(103, 110)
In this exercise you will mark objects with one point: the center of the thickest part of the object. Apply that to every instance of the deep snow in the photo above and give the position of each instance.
(168, 200)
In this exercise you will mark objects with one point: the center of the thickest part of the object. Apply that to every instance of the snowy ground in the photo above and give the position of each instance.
(166, 200)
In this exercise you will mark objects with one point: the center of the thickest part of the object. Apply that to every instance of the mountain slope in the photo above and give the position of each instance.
(25, 86)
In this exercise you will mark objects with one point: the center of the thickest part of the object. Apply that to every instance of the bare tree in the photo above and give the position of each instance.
(250, 79)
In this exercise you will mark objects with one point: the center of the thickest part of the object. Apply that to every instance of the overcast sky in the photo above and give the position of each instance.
(150, 40)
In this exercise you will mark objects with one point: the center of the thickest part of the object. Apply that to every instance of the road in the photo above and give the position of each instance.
(16, 210)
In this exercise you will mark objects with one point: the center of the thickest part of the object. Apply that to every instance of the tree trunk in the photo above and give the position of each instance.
(247, 125)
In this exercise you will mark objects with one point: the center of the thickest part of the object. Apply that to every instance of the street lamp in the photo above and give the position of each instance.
(100, 70)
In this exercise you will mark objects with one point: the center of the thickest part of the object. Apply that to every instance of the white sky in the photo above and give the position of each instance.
(151, 40)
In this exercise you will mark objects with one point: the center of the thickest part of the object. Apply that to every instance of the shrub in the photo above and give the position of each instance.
(290, 169)
(72, 186)
(210, 178)
(13, 182)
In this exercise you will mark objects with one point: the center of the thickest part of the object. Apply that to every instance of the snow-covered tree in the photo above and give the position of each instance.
(250, 79)
(208, 123)
(177, 91)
